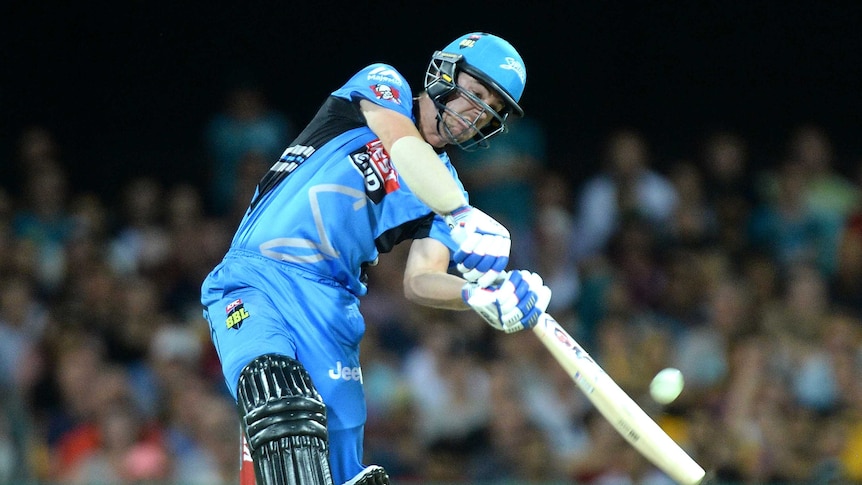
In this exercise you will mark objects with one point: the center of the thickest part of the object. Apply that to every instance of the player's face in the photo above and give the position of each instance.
(466, 115)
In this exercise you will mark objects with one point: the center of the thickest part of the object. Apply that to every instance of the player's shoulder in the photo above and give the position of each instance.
(380, 83)
(384, 74)
(383, 77)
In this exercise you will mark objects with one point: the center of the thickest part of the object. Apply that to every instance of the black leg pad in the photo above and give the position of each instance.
(284, 420)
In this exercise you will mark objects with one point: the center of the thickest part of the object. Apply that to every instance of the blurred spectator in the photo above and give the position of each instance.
(842, 346)
(141, 242)
(14, 424)
(626, 188)
(681, 303)
(787, 229)
(218, 435)
(514, 448)
(247, 125)
(89, 303)
(197, 243)
(828, 193)
(89, 242)
(127, 451)
(204, 446)
(92, 217)
(846, 283)
(796, 327)
(756, 413)
(702, 352)
(139, 313)
(23, 322)
(44, 221)
(694, 222)
(450, 389)
(728, 187)
(636, 255)
(38, 152)
(71, 431)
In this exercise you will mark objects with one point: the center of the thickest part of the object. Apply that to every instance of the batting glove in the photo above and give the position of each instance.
(484, 245)
(513, 303)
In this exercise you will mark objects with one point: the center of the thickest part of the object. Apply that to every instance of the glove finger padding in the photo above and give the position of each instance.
(483, 252)
(488, 278)
(514, 293)
(511, 304)
(484, 280)
(483, 245)
(543, 293)
(543, 298)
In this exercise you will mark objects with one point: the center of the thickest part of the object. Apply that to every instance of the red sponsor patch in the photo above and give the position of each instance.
(384, 167)
(387, 92)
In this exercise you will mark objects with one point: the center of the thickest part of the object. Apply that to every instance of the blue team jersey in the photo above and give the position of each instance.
(333, 201)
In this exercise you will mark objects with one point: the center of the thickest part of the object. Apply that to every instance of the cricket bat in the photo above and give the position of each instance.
(616, 406)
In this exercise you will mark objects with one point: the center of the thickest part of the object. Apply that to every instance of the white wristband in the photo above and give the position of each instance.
(426, 175)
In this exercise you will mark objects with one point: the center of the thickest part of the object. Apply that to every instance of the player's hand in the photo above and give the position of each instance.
(484, 245)
(513, 303)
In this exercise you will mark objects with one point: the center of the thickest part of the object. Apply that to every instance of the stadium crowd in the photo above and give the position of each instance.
(745, 274)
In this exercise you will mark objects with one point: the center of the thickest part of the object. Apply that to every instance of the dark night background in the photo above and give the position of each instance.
(127, 86)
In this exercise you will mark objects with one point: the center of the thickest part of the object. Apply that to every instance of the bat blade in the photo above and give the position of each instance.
(632, 422)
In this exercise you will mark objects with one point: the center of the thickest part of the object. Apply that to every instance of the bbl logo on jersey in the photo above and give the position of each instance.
(236, 314)
(373, 163)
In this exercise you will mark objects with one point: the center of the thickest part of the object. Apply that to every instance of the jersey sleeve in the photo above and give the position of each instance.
(381, 84)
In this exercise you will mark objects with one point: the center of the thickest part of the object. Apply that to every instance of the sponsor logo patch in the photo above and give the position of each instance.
(236, 314)
(513, 65)
(384, 75)
(344, 373)
(376, 168)
(386, 93)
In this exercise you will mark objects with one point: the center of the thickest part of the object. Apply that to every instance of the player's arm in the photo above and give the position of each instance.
(513, 303)
(426, 280)
(414, 159)
(485, 243)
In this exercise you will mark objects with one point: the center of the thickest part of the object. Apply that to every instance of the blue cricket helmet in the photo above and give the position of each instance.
(495, 62)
